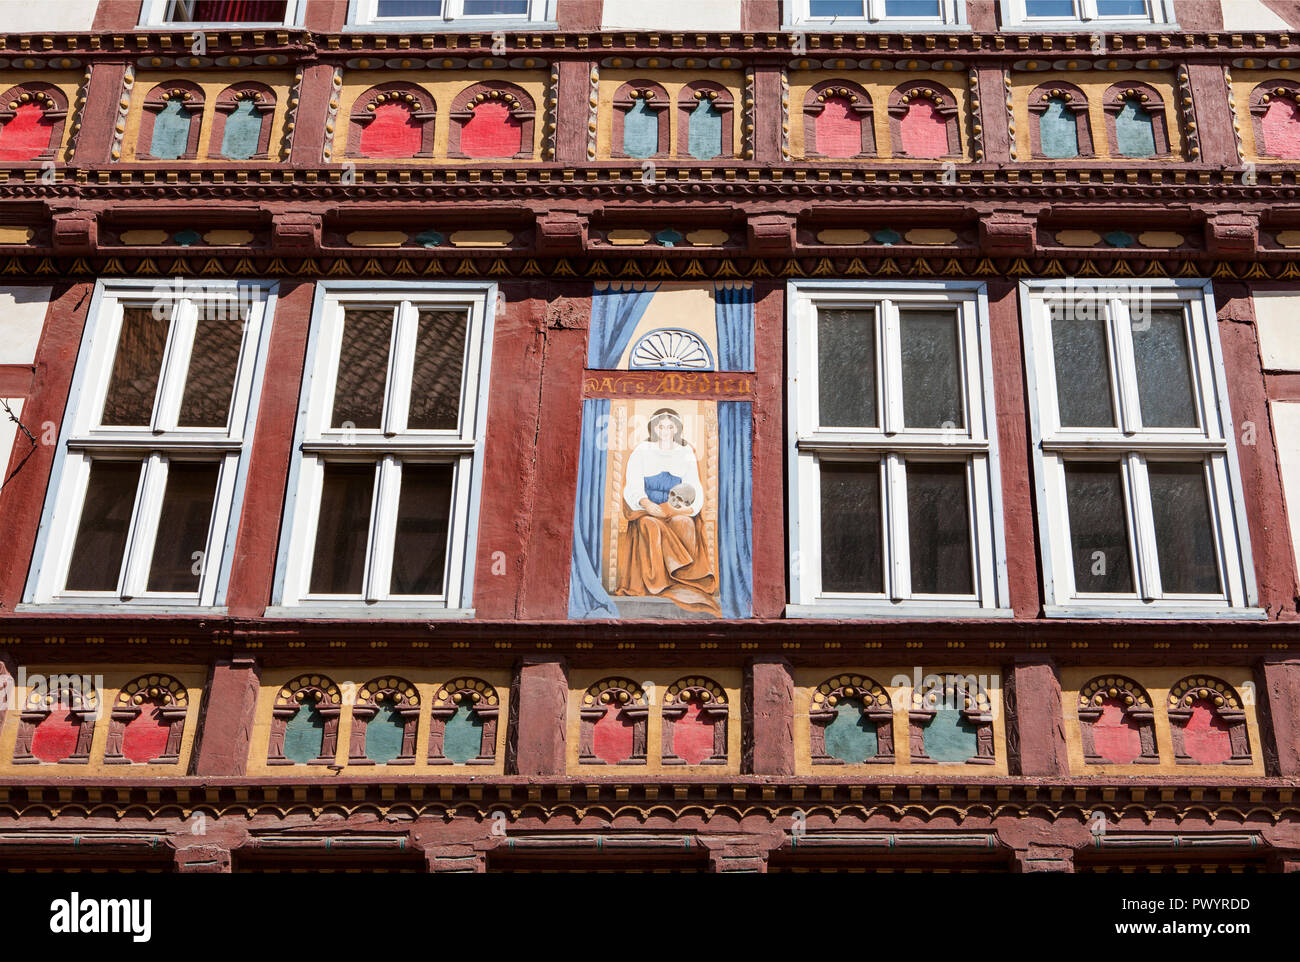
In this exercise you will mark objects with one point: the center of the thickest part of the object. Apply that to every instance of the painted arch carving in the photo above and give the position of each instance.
(1058, 127)
(1275, 115)
(241, 127)
(392, 120)
(1207, 722)
(148, 721)
(172, 122)
(492, 119)
(704, 125)
(640, 127)
(1117, 722)
(851, 722)
(463, 723)
(923, 120)
(1135, 121)
(613, 721)
(385, 718)
(57, 726)
(305, 722)
(951, 723)
(837, 121)
(32, 116)
(695, 714)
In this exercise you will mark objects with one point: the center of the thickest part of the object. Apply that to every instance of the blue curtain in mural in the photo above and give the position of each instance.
(734, 311)
(615, 311)
(735, 518)
(587, 596)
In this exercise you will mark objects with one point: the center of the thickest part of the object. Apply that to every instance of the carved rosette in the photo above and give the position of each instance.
(1137, 706)
(1219, 697)
(852, 689)
(975, 708)
(83, 706)
(304, 692)
(160, 693)
(377, 692)
(479, 697)
(712, 702)
(633, 707)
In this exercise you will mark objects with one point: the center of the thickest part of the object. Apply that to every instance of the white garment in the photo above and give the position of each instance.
(648, 459)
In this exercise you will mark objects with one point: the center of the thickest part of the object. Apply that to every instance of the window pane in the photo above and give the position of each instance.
(436, 381)
(1163, 370)
(851, 534)
(938, 526)
(420, 546)
(136, 368)
(339, 564)
(183, 526)
(846, 368)
(496, 8)
(210, 381)
(363, 368)
(409, 8)
(910, 9)
(1180, 502)
(105, 522)
(227, 11)
(836, 8)
(1094, 495)
(1121, 8)
(931, 370)
(1049, 8)
(1083, 386)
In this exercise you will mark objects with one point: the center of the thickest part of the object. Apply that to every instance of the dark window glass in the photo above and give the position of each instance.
(1121, 8)
(1164, 371)
(1180, 502)
(409, 8)
(339, 562)
(420, 544)
(938, 525)
(136, 368)
(1094, 494)
(931, 370)
(846, 368)
(183, 526)
(210, 381)
(363, 368)
(105, 523)
(908, 9)
(837, 8)
(851, 532)
(436, 379)
(1049, 8)
(1083, 386)
(226, 11)
(497, 8)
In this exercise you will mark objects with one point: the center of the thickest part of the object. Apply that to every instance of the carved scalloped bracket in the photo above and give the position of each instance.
(296, 231)
(1007, 232)
(1232, 235)
(561, 232)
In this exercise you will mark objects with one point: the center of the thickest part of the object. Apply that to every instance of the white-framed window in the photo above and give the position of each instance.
(851, 14)
(252, 13)
(388, 456)
(1073, 14)
(895, 491)
(1139, 492)
(452, 13)
(144, 494)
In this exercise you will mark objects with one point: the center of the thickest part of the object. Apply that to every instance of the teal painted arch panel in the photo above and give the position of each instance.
(640, 131)
(463, 737)
(304, 735)
(1058, 131)
(243, 132)
(950, 737)
(704, 141)
(384, 734)
(1135, 130)
(171, 131)
(851, 736)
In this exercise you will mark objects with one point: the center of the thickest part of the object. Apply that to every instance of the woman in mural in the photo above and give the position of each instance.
(664, 552)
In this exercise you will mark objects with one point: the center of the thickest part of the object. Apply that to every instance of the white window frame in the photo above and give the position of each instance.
(1133, 446)
(892, 443)
(364, 14)
(316, 442)
(83, 439)
(1160, 13)
(153, 13)
(798, 15)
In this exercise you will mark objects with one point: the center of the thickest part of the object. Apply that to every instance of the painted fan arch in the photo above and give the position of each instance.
(241, 126)
(1275, 115)
(640, 123)
(923, 120)
(492, 119)
(1058, 127)
(172, 122)
(32, 118)
(1135, 121)
(392, 120)
(838, 121)
(704, 121)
